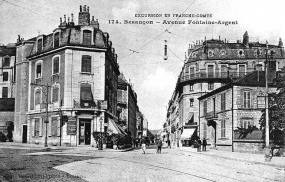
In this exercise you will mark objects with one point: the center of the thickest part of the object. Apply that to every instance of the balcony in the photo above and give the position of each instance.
(210, 75)
(84, 104)
(121, 101)
(211, 115)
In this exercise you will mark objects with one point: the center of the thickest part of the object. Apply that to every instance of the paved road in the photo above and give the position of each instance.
(171, 165)
(89, 165)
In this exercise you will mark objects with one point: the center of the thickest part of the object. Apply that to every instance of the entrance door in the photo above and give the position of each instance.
(85, 132)
(24, 135)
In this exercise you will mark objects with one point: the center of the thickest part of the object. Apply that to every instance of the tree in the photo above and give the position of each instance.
(276, 102)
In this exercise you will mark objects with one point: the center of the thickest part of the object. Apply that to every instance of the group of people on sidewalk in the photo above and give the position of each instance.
(158, 143)
(199, 143)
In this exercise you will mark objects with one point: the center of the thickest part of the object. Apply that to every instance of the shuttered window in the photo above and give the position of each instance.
(54, 126)
(86, 64)
(37, 127)
(37, 97)
(55, 93)
(56, 65)
(246, 99)
(4, 92)
(223, 128)
(210, 71)
(205, 107)
(56, 39)
(241, 70)
(6, 62)
(223, 101)
(87, 37)
(85, 92)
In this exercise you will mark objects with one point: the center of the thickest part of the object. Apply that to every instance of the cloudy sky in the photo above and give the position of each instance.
(153, 77)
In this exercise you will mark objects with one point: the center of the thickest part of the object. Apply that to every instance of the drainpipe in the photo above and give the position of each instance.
(232, 118)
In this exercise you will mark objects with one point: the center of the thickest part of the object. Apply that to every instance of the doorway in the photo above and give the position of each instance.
(85, 132)
(24, 135)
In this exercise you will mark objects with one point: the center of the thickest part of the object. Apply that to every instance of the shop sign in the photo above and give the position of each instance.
(71, 126)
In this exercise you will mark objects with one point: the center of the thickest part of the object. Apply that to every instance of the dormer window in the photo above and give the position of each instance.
(87, 37)
(40, 45)
(241, 52)
(210, 53)
(56, 39)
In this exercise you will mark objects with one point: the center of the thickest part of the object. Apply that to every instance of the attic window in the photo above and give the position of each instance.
(241, 53)
(40, 45)
(56, 39)
(87, 37)
(211, 53)
(223, 52)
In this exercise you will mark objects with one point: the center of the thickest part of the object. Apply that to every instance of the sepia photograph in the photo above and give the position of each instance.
(142, 91)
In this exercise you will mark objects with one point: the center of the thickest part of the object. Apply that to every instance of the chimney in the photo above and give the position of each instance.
(71, 22)
(245, 40)
(84, 16)
(94, 23)
(106, 35)
(280, 44)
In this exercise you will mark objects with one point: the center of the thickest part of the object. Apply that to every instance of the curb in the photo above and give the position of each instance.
(236, 159)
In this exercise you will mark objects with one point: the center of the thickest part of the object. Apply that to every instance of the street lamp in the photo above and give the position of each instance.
(100, 141)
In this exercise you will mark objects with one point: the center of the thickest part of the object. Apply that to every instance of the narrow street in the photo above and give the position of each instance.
(82, 164)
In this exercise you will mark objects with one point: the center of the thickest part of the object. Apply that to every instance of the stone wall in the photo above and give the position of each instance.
(251, 147)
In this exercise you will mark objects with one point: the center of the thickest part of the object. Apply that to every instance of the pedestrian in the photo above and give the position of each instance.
(169, 144)
(137, 142)
(143, 144)
(199, 145)
(159, 145)
(204, 144)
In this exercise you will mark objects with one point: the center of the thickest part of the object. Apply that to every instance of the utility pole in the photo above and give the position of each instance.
(46, 121)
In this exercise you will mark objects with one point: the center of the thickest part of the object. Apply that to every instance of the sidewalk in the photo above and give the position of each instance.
(52, 148)
(238, 156)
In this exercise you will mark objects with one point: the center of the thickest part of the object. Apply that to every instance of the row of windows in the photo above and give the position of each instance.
(38, 127)
(224, 69)
(85, 65)
(86, 40)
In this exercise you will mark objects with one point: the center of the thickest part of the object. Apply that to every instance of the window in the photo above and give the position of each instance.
(5, 76)
(54, 126)
(87, 37)
(55, 65)
(38, 97)
(246, 99)
(40, 45)
(85, 92)
(38, 70)
(205, 130)
(37, 127)
(4, 92)
(86, 64)
(258, 67)
(260, 102)
(223, 101)
(55, 93)
(205, 107)
(246, 124)
(223, 128)
(192, 73)
(210, 71)
(6, 62)
(210, 86)
(191, 102)
(56, 39)
(191, 87)
(224, 71)
(241, 70)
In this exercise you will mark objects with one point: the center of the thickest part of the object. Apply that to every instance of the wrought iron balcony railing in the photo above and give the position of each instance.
(215, 74)
(211, 115)
(84, 104)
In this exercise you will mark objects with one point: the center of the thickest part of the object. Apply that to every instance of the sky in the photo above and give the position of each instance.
(140, 48)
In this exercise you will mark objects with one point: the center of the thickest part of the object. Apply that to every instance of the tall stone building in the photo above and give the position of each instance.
(211, 64)
(66, 86)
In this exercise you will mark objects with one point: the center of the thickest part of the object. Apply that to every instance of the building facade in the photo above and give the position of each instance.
(211, 64)
(127, 106)
(66, 86)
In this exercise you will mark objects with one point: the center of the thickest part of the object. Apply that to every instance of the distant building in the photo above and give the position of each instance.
(209, 65)
(7, 83)
(127, 106)
(69, 79)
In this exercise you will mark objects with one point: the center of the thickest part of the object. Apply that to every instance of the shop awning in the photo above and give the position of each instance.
(115, 128)
(187, 133)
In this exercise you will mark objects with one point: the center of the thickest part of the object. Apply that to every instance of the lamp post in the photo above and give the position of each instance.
(100, 142)
(46, 121)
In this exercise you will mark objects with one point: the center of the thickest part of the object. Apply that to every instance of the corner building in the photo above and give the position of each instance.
(209, 65)
(68, 78)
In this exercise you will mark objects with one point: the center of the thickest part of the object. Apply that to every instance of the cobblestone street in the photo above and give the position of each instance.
(88, 164)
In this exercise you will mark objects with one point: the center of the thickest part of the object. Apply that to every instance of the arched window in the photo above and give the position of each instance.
(56, 39)
(87, 35)
(86, 64)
